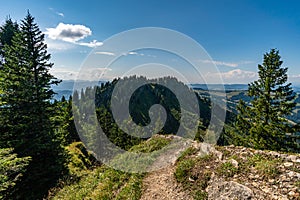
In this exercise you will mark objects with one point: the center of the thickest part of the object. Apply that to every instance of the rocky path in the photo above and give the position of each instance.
(162, 185)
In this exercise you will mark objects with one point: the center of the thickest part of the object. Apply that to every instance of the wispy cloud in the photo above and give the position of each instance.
(133, 53)
(72, 33)
(60, 14)
(94, 73)
(105, 53)
(139, 54)
(57, 13)
(91, 44)
(295, 76)
(227, 64)
(234, 76)
(64, 73)
(91, 74)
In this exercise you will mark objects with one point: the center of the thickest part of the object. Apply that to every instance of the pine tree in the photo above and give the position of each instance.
(7, 31)
(263, 124)
(26, 110)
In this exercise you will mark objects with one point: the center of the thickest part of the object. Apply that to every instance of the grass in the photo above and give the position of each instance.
(200, 195)
(189, 151)
(80, 158)
(191, 172)
(297, 184)
(154, 144)
(103, 182)
(267, 167)
(183, 170)
(227, 169)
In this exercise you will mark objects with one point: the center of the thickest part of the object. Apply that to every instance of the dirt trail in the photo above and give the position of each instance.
(162, 185)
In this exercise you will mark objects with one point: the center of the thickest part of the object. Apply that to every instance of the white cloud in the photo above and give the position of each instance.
(105, 53)
(92, 44)
(234, 76)
(64, 73)
(133, 53)
(238, 74)
(295, 78)
(68, 32)
(72, 33)
(91, 74)
(227, 64)
(60, 14)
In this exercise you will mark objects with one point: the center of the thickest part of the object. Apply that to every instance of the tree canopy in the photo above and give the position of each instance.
(26, 109)
(263, 123)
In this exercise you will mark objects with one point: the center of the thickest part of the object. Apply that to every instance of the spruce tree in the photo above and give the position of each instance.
(263, 123)
(25, 85)
(7, 31)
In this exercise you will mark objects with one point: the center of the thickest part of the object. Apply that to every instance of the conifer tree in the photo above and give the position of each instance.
(25, 85)
(7, 31)
(263, 124)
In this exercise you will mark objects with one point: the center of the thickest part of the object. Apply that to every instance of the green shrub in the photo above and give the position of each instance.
(11, 169)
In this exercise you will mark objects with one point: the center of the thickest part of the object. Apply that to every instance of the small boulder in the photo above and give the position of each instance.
(223, 190)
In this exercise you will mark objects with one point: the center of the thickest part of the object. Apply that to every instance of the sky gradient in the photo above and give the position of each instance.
(235, 33)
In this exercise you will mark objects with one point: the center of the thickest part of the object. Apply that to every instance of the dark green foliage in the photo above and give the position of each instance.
(141, 101)
(263, 124)
(11, 170)
(7, 31)
(64, 122)
(26, 110)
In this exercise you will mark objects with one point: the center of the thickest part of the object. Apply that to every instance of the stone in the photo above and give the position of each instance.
(288, 164)
(271, 180)
(291, 193)
(294, 158)
(224, 190)
(291, 174)
(234, 163)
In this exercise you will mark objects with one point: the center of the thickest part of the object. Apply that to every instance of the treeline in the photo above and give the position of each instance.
(139, 105)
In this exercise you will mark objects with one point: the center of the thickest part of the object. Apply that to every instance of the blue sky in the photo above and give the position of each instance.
(235, 33)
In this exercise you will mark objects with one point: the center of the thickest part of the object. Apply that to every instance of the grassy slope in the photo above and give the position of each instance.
(103, 182)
